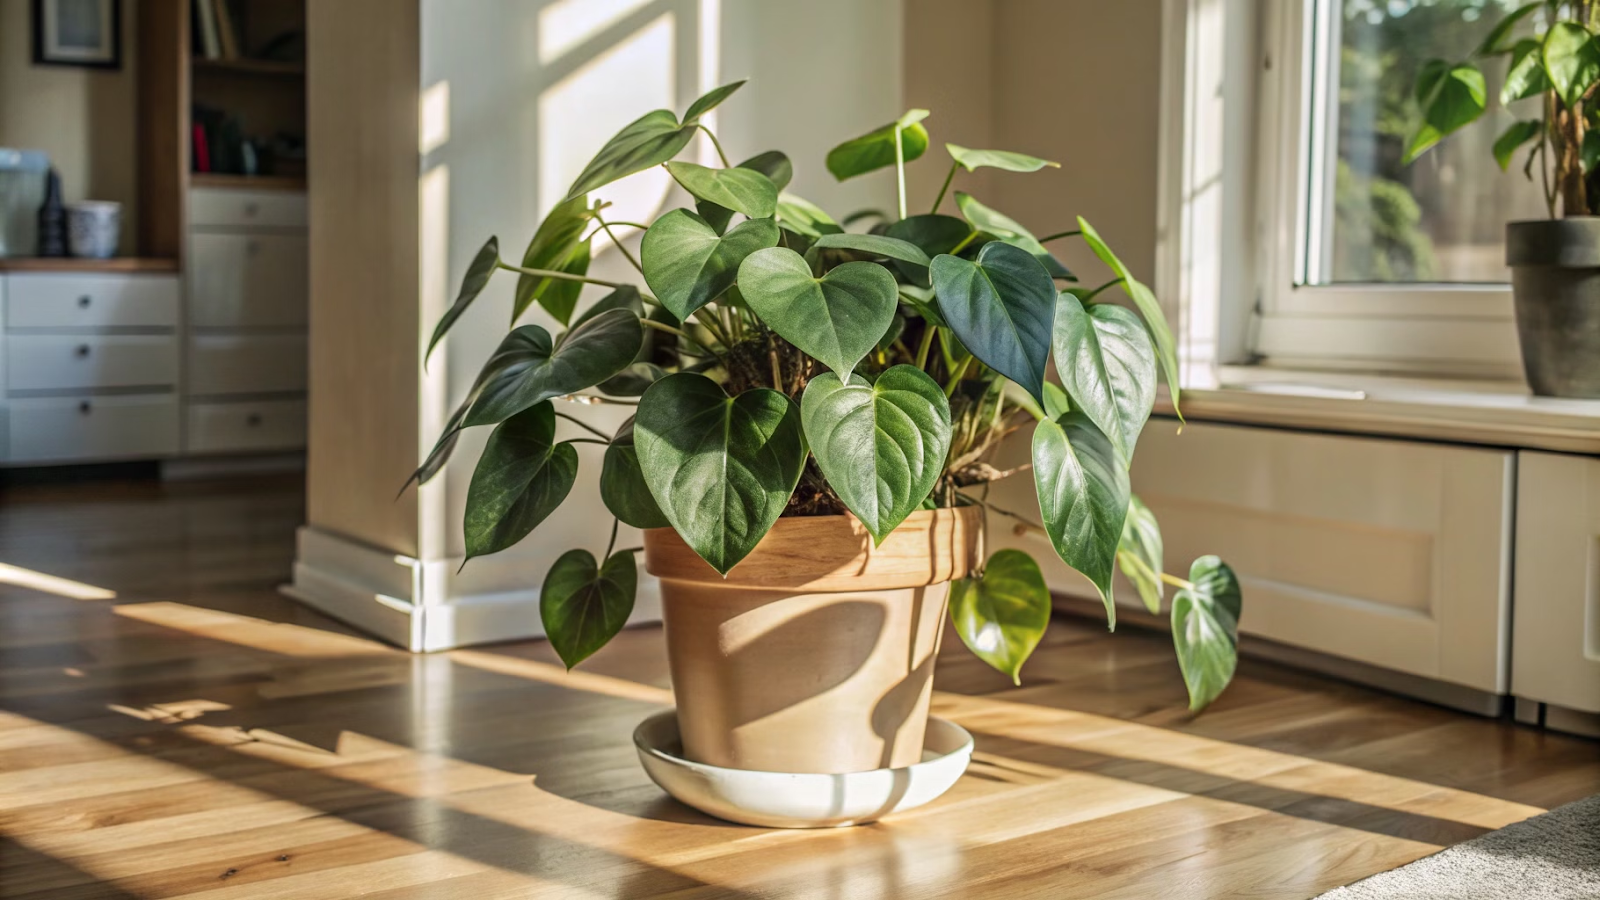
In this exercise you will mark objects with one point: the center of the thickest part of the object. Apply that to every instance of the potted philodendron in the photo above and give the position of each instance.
(1553, 62)
(817, 409)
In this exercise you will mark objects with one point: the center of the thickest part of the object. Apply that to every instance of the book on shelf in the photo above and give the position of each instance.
(205, 15)
(227, 34)
(202, 148)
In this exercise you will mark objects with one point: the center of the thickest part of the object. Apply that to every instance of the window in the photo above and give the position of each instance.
(1368, 262)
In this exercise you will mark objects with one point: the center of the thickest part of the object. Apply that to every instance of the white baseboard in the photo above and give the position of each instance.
(412, 603)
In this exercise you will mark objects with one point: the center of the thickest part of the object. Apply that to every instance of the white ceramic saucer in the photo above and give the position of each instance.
(784, 800)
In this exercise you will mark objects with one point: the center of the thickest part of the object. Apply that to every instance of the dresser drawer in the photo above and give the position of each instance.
(91, 301)
(247, 279)
(227, 208)
(48, 362)
(62, 429)
(230, 427)
(246, 364)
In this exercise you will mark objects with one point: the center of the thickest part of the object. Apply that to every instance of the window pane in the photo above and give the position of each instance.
(1442, 218)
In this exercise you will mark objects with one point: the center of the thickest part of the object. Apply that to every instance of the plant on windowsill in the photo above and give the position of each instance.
(1555, 263)
(817, 415)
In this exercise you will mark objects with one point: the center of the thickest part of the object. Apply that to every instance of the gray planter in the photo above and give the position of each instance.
(1555, 277)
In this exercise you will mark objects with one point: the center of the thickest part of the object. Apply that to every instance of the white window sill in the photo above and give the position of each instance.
(1496, 413)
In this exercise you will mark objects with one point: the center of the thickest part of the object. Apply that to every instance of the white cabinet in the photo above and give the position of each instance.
(247, 425)
(1555, 651)
(247, 280)
(74, 362)
(71, 301)
(92, 429)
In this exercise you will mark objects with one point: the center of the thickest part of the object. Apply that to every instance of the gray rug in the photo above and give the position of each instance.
(1555, 856)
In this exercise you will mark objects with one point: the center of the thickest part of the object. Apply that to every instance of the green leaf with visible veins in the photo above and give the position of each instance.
(1205, 629)
(472, 284)
(1148, 305)
(1139, 554)
(1002, 307)
(1083, 497)
(583, 606)
(721, 468)
(522, 476)
(875, 149)
(527, 368)
(1571, 61)
(647, 141)
(882, 446)
(772, 164)
(1108, 366)
(972, 160)
(622, 485)
(836, 319)
(1002, 614)
(741, 190)
(1525, 78)
(1005, 228)
(687, 264)
(555, 246)
(876, 245)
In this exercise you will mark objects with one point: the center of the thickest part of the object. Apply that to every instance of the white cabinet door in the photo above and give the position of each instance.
(240, 280)
(246, 364)
(1555, 651)
(45, 362)
(85, 429)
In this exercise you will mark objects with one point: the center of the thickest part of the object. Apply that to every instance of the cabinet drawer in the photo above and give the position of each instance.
(247, 279)
(227, 208)
(246, 364)
(91, 301)
(248, 425)
(47, 362)
(51, 429)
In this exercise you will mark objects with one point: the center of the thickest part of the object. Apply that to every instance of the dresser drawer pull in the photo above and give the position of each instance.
(82, 351)
(84, 301)
(253, 419)
(85, 408)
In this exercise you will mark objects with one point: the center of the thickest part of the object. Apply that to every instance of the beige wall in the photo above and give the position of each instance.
(83, 118)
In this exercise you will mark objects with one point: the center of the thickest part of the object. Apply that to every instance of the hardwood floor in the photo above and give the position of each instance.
(199, 735)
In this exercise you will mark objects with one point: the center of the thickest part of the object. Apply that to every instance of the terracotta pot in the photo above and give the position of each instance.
(816, 653)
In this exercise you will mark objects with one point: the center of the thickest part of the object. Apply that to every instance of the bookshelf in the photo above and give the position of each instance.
(247, 106)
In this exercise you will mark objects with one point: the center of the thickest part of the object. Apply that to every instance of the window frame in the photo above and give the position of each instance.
(1450, 329)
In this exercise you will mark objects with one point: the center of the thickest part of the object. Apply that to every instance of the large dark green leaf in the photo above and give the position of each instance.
(772, 164)
(624, 297)
(472, 285)
(622, 485)
(1205, 629)
(1571, 61)
(1002, 614)
(1002, 307)
(933, 234)
(687, 264)
(1148, 305)
(1139, 554)
(555, 246)
(649, 140)
(1005, 228)
(741, 190)
(876, 245)
(1108, 366)
(526, 368)
(882, 445)
(972, 160)
(836, 319)
(721, 468)
(634, 380)
(583, 605)
(1525, 77)
(876, 149)
(1083, 497)
(522, 476)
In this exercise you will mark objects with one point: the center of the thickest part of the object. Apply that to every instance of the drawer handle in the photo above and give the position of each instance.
(253, 419)
(82, 351)
(84, 301)
(85, 408)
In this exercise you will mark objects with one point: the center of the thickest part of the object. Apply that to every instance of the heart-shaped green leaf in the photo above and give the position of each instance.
(772, 164)
(1002, 614)
(1571, 61)
(1002, 307)
(1525, 78)
(741, 190)
(877, 245)
(876, 149)
(1456, 97)
(721, 468)
(526, 368)
(1083, 496)
(971, 160)
(583, 605)
(625, 297)
(647, 141)
(622, 485)
(1108, 366)
(933, 234)
(803, 217)
(1205, 629)
(687, 264)
(472, 284)
(522, 476)
(1139, 554)
(1005, 228)
(555, 246)
(836, 319)
(710, 100)
(882, 445)
(1148, 305)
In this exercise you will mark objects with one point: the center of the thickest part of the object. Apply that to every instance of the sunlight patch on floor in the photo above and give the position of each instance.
(579, 680)
(53, 584)
(260, 634)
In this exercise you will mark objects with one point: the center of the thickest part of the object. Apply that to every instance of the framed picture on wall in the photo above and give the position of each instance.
(78, 33)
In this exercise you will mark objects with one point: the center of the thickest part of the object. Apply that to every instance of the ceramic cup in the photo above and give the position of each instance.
(93, 228)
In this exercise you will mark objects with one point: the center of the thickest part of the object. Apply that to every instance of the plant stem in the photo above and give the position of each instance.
(550, 273)
(1177, 582)
(900, 166)
(1011, 515)
(1059, 235)
(662, 326)
(585, 426)
(618, 244)
(944, 187)
(631, 550)
(594, 400)
(1096, 292)
(956, 376)
(927, 343)
(613, 542)
(586, 441)
(714, 143)
(964, 242)
(631, 225)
